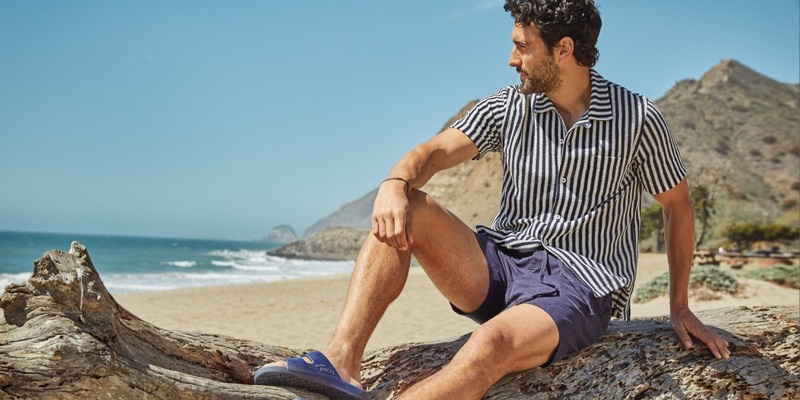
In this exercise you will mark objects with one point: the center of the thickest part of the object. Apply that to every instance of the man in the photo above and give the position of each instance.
(560, 257)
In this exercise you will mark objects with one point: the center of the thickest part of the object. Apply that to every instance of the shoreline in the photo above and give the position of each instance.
(302, 313)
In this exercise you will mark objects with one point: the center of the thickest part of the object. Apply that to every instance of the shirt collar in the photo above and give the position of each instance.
(599, 100)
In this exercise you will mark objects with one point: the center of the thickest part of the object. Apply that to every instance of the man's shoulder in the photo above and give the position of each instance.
(506, 92)
(501, 98)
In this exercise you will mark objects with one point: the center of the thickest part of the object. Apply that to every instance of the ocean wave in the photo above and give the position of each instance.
(240, 254)
(251, 260)
(180, 264)
(230, 268)
(7, 279)
(261, 267)
(229, 264)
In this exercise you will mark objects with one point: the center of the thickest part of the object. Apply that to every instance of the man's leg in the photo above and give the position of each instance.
(556, 315)
(448, 252)
(519, 338)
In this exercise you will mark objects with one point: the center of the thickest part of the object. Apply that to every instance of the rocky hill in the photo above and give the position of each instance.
(739, 133)
(356, 214)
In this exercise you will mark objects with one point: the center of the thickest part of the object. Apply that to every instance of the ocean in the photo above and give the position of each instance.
(136, 264)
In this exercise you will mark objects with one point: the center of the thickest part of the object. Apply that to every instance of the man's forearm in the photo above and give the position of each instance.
(679, 235)
(445, 150)
(414, 168)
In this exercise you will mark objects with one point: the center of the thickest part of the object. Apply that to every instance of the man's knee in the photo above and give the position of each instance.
(515, 343)
(491, 337)
(495, 353)
(488, 346)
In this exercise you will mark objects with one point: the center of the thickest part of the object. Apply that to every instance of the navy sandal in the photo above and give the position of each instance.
(317, 376)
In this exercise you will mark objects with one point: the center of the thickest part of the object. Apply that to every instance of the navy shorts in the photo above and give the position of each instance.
(540, 279)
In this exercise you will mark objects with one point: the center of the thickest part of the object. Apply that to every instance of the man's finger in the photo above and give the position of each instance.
(391, 238)
(409, 228)
(715, 343)
(683, 335)
(383, 231)
(376, 228)
(399, 231)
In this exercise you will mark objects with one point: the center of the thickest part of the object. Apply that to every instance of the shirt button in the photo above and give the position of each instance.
(561, 141)
(558, 216)
(563, 180)
(544, 242)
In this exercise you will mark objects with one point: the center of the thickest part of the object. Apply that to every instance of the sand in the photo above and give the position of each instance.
(303, 313)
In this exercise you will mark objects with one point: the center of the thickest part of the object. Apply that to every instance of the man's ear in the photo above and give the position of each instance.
(564, 48)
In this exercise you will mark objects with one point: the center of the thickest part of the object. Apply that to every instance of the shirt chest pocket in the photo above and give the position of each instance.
(596, 166)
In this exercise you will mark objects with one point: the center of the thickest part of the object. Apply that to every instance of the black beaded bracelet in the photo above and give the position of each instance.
(396, 179)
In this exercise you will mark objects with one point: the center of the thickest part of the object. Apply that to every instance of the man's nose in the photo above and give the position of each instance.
(513, 59)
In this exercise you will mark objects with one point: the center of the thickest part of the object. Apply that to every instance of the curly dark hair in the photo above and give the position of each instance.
(556, 19)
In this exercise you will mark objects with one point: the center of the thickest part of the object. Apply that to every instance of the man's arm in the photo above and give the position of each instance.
(391, 220)
(679, 235)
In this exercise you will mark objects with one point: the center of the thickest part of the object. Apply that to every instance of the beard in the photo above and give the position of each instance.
(542, 78)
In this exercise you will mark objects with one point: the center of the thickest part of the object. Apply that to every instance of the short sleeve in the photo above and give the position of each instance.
(661, 165)
(483, 124)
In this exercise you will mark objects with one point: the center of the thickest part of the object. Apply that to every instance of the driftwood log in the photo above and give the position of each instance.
(63, 336)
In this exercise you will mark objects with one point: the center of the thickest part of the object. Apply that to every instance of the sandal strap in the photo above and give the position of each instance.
(319, 364)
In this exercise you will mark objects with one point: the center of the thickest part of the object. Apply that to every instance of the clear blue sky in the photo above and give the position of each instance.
(217, 119)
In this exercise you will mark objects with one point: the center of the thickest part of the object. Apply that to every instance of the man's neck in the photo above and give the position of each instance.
(572, 97)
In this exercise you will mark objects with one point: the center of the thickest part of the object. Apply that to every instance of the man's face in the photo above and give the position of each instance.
(536, 65)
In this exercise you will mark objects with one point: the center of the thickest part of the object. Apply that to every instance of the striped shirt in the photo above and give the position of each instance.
(577, 192)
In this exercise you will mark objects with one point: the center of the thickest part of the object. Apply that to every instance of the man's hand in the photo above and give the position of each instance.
(685, 323)
(391, 215)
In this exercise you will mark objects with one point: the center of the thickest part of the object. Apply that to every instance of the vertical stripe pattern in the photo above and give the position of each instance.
(577, 192)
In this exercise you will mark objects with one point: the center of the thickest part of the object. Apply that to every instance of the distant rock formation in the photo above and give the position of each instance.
(63, 336)
(335, 243)
(280, 234)
(356, 214)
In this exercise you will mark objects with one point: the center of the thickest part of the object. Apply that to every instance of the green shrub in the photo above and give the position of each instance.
(784, 275)
(707, 276)
(655, 287)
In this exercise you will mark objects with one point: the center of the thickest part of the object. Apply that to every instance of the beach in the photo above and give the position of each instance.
(302, 313)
